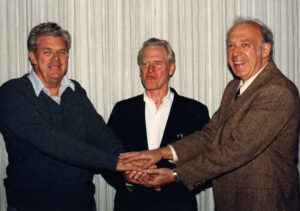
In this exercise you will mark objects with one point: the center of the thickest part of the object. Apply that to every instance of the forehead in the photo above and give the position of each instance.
(155, 51)
(46, 41)
(244, 31)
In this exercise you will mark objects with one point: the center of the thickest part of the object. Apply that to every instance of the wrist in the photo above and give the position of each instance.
(175, 176)
(166, 153)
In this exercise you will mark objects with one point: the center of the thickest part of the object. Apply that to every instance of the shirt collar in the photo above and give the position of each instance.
(38, 85)
(164, 101)
(243, 86)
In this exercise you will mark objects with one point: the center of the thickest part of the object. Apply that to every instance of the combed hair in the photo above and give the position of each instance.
(267, 34)
(154, 41)
(50, 29)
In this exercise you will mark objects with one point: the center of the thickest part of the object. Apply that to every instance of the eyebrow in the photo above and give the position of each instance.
(245, 40)
(47, 48)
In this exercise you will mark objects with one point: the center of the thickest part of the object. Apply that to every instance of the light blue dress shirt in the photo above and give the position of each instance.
(38, 86)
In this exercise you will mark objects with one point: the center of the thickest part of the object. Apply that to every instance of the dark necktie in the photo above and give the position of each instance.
(237, 94)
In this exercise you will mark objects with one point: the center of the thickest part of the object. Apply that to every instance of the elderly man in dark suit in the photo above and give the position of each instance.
(250, 146)
(152, 120)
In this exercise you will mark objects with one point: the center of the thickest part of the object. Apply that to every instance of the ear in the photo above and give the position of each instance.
(32, 57)
(172, 69)
(266, 49)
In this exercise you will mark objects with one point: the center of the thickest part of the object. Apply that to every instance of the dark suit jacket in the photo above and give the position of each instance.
(128, 121)
(249, 148)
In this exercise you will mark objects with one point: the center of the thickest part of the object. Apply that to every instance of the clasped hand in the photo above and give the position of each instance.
(139, 168)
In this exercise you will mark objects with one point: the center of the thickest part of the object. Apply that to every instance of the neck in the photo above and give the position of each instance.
(157, 95)
(53, 88)
(51, 84)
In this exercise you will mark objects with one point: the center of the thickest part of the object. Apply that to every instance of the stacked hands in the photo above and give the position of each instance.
(139, 168)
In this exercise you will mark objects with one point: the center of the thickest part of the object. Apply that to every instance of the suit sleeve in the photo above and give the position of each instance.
(198, 141)
(19, 116)
(267, 115)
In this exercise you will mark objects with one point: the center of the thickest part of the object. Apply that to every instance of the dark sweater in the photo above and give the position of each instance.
(53, 150)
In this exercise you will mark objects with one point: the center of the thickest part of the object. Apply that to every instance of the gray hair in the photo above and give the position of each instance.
(50, 29)
(154, 41)
(267, 35)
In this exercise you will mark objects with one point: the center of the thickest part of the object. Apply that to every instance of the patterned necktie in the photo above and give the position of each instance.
(237, 94)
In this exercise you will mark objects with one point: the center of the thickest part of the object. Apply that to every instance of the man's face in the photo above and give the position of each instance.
(50, 62)
(155, 69)
(246, 54)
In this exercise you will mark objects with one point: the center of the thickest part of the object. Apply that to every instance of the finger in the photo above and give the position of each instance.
(137, 158)
(147, 164)
(138, 163)
(153, 171)
(126, 155)
(158, 189)
(131, 174)
(140, 182)
(127, 172)
(152, 183)
(138, 175)
(153, 167)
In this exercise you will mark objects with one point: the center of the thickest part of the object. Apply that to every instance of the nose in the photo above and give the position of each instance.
(55, 56)
(236, 51)
(151, 68)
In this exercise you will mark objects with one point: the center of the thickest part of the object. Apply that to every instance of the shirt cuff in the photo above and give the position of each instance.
(175, 158)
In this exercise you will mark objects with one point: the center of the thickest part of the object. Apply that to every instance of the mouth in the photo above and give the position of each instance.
(150, 77)
(239, 62)
(54, 67)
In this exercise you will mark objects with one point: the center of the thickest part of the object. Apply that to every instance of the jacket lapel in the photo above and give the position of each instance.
(140, 123)
(232, 106)
(171, 129)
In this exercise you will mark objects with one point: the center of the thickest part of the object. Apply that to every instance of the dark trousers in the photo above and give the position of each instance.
(10, 208)
(147, 199)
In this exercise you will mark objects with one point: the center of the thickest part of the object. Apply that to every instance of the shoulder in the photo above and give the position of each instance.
(283, 83)
(275, 84)
(127, 110)
(16, 82)
(280, 88)
(78, 87)
(272, 80)
(17, 86)
(130, 103)
(188, 103)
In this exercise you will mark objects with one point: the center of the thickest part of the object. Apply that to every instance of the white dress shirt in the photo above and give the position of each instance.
(243, 86)
(156, 119)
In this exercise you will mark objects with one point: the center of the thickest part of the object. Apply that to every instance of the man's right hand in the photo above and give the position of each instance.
(150, 157)
(135, 165)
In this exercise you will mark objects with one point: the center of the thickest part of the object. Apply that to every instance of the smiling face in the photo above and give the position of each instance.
(155, 69)
(246, 53)
(50, 61)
